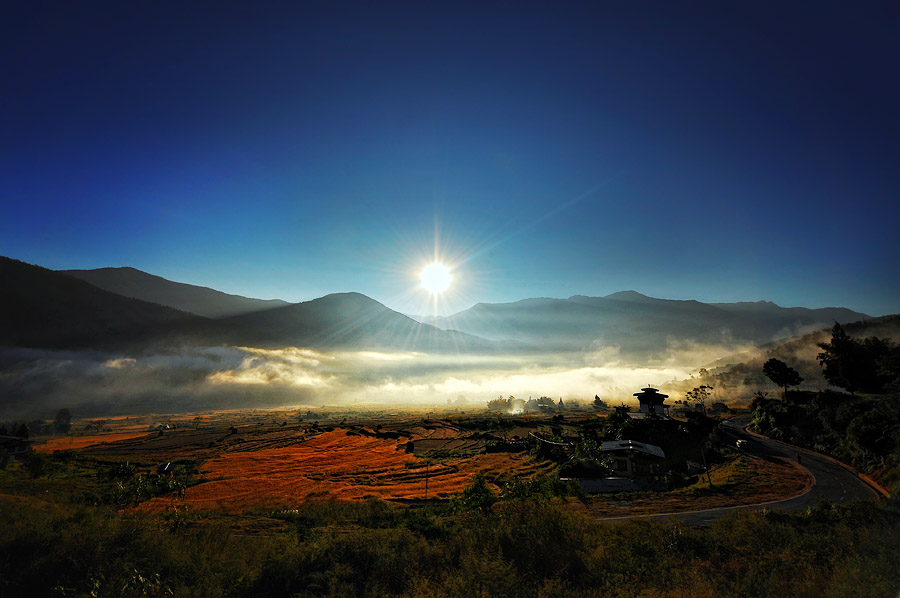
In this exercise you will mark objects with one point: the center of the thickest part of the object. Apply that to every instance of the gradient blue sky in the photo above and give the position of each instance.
(720, 151)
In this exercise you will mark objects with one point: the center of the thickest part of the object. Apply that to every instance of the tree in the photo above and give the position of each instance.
(63, 421)
(36, 464)
(699, 396)
(478, 495)
(781, 374)
(837, 359)
(498, 404)
(854, 365)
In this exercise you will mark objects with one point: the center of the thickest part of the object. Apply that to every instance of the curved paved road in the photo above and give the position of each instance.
(832, 482)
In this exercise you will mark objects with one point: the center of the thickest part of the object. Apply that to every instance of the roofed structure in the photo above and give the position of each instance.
(634, 459)
(17, 448)
(651, 400)
(631, 445)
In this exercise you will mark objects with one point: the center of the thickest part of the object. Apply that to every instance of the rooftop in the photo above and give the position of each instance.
(631, 445)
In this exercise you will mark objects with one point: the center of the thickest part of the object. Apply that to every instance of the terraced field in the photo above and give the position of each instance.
(340, 464)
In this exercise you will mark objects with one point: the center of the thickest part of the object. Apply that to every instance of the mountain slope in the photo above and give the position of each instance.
(638, 325)
(352, 321)
(40, 308)
(739, 376)
(202, 301)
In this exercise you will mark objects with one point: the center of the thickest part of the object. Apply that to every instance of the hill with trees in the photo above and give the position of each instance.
(740, 376)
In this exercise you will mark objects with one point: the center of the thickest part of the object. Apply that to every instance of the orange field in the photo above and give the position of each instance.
(338, 465)
(79, 442)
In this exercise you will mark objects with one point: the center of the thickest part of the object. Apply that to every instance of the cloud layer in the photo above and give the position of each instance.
(34, 383)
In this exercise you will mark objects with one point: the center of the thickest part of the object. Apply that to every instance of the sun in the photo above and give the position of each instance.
(436, 278)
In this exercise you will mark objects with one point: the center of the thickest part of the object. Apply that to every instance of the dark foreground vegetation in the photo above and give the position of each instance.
(861, 430)
(468, 547)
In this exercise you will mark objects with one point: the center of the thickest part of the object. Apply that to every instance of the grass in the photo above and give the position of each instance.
(523, 548)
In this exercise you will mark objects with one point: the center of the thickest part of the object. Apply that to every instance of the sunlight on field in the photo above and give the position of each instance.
(341, 466)
(79, 442)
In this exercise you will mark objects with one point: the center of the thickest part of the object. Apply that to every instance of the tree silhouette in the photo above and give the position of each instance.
(856, 365)
(699, 396)
(781, 374)
(63, 422)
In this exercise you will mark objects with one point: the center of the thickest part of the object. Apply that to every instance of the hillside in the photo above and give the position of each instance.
(741, 375)
(40, 308)
(351, 320)
(201, 301)
(640, 326)
(47, 309)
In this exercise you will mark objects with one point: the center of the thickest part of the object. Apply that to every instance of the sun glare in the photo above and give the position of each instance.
(436, 278)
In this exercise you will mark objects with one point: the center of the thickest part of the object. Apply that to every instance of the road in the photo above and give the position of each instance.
(832, 482)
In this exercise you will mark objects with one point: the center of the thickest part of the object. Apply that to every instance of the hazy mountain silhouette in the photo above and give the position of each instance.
(639, 325)
(351, 320)
(46, 309)
(744, 371)
(202, 301)
(40, 308)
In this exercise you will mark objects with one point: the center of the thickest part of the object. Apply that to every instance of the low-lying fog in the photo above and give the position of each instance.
(36, 383)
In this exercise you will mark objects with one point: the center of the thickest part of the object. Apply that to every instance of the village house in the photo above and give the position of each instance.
(634, 459)
(17, 448)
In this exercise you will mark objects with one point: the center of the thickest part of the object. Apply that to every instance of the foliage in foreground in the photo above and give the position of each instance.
(862, 431)
(515, 548)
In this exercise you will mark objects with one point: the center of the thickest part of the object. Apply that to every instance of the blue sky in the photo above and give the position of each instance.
(714, 151)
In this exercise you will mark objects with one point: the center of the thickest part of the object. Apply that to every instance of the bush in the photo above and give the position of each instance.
(36, 464)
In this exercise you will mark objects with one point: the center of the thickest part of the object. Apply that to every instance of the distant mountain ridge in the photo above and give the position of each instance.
(47, 309)
(352, 320)
(638, 325)
(203, 301)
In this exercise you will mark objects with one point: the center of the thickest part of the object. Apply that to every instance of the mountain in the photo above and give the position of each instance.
(40, 308)
(47, 309)
(640, 326)
(201, 301)
(351, 321)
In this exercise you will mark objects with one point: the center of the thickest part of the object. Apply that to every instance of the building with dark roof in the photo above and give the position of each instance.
(14, 446)
(634, 459)
(652, 401)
